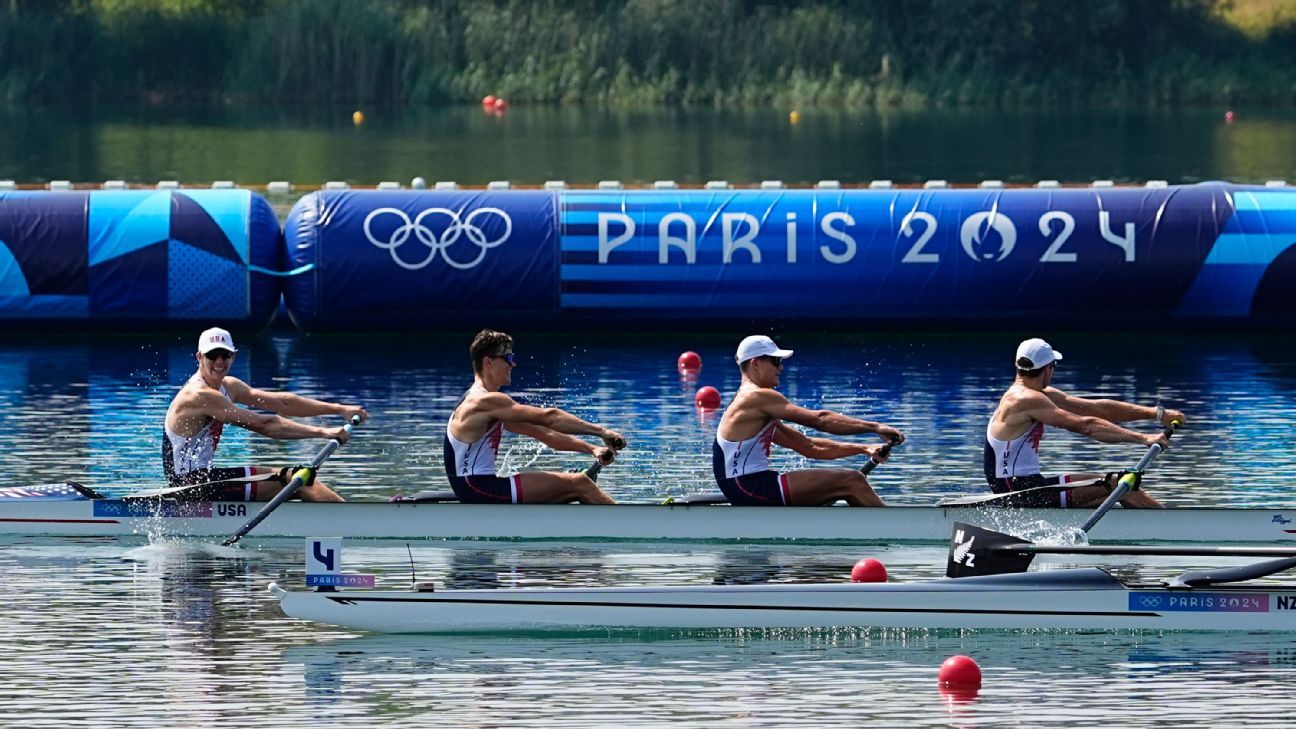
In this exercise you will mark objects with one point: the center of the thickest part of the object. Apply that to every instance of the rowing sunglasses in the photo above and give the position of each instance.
(216, 354)
(776, 361)
(507, 357)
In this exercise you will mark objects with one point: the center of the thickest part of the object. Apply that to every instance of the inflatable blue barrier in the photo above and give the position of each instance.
(404, 259)
(138, 258)
(412, 258)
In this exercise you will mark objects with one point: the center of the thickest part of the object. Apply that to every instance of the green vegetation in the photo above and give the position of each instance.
(831, 52)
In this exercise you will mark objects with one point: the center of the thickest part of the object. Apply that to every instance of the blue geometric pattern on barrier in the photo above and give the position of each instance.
(201, 284)
(212, 222)
(1262, 228)
(12, 281)
(197, 211)
(131, 284)
(124, 222)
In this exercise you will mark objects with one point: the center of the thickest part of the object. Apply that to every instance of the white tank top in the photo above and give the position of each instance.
(476, 458)
(1019, 456)
(192, 452)
(747, 456)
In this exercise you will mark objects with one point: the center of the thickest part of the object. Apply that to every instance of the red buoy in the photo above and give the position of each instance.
(868, 570)
(707, 398)
(960, 672)
(689, 362)
(500, 104)
(1229, 117)
(488, 101)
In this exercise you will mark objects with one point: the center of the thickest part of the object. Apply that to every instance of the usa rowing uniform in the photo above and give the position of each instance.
(1014, 465)
(187, 460)
(742, 470)
(470, 467)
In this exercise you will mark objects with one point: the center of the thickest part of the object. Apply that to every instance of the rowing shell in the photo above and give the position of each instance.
(63, 511)
(1083, 598)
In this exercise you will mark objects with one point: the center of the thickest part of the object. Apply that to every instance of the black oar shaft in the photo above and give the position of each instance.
(288, 491)
(1150, 550)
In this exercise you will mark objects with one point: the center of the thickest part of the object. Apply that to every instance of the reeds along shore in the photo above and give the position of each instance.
(827, 52)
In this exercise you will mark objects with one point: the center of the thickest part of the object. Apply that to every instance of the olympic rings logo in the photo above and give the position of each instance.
(438, 244)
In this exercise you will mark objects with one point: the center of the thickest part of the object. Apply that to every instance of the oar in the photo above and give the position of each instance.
(875, 461)
(298, 479)
(978, 551)
(1129, 481)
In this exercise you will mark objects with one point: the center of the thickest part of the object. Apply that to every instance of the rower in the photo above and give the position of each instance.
(473, 434)
(199, 412)
(753, 421)
(1011, 459)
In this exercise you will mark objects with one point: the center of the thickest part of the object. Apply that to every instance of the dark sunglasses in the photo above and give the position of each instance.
(216, 354)
(506, 357)
(776, 361)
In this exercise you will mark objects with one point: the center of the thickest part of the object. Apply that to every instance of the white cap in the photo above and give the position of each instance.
(759, 345)
(1033, 354)
(215, 338)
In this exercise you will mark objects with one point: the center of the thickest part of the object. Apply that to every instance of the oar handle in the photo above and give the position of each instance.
(875, 461)
(1128, 481)
(296, 482)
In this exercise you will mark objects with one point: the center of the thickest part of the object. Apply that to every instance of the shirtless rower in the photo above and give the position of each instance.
(475, 427)
(753, 421)
(207, 402)
(1013, 435)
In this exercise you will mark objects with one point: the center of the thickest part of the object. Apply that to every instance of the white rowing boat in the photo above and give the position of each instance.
(1083, 598)
(61, 510)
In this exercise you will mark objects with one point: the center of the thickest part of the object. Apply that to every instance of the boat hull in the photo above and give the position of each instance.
(1086, 598)
(376, 520)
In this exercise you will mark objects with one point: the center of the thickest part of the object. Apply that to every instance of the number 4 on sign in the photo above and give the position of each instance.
(1125, 243)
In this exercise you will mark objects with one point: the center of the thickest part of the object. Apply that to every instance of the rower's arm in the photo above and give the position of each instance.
(1041, 408)
(503, 408)
(821, 449)
(552, 438)
(826, 421)
(1115, 411)
(287, 403)
(271, 426)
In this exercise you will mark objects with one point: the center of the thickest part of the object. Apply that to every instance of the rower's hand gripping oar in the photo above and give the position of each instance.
(875, 461)
(977, 551)
(593, 470)
(299, 478)
(1129, 481)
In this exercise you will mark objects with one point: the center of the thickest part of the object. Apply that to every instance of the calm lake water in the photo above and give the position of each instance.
(126, 633)
(122, 632)
(531, 144)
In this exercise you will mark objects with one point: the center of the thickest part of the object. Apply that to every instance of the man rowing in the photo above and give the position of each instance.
(1013, 435)
(754, 420)
(207, 403)
(476, 426)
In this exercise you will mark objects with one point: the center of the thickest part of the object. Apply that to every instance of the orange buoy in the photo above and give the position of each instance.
(689, 362)
(707, 398)
(357, 117)
(868, 570)
(960, 672)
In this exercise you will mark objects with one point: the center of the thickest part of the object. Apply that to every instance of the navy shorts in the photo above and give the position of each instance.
(234, 491)
(763, 488)
(487, 489)
(1048, 499)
